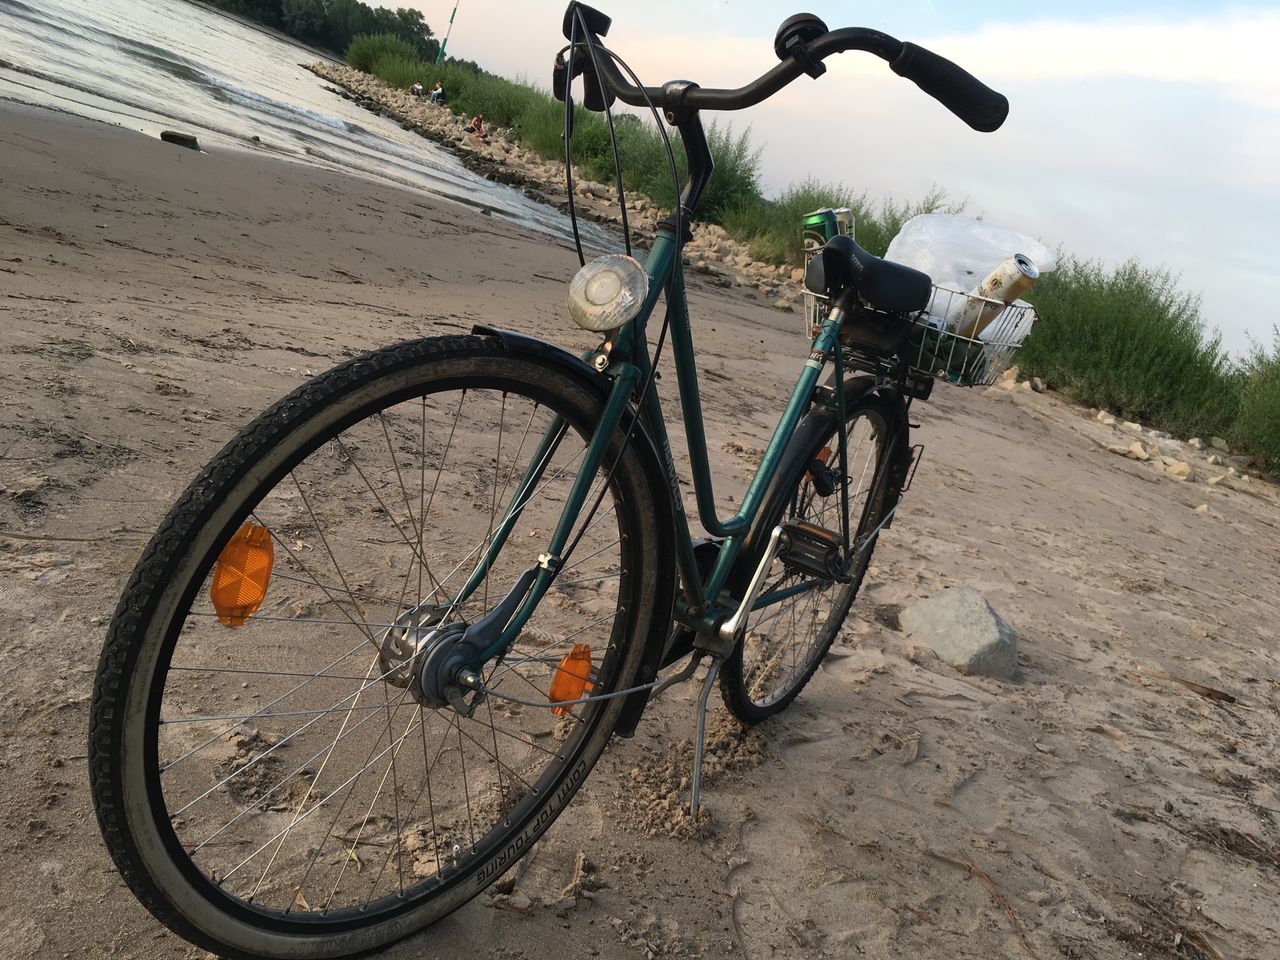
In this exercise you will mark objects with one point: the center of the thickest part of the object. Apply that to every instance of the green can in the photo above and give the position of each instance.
(818, 227)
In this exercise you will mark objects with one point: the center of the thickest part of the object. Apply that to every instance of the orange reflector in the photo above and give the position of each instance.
(573, 677)
(241, 575)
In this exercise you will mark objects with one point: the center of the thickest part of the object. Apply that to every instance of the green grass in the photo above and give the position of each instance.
(772, 227)
(1257, 423)
(1126, 339)
(365, 50)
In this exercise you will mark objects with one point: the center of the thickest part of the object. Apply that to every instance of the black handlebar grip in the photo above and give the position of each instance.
(954, 87)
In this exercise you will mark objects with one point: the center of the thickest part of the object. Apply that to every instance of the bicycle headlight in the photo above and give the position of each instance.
(607, 292)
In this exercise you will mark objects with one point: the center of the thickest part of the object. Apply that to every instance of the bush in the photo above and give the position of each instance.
(772, 227)
(365, 50)
(1129, 341)
(1257, 425)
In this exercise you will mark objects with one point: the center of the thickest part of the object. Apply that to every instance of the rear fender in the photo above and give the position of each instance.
(655, 474)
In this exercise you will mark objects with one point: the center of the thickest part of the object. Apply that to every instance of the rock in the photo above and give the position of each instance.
(1136, 451)
(1131, 426)
(1010, 373)
(187, 140)
(1219, 444)
(1203, 510)
(1240, 462)
(1195, 443)
(783, 305)
(1213, 460)
(965, 632)
(1104, 417)
(1037, 385)
(1180, 470)
(797, 275)
(1214, 481)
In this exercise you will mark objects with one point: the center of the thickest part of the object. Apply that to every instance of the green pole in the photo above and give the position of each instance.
(448, 30)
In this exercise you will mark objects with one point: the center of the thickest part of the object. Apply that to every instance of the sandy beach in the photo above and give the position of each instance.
(1101, 805)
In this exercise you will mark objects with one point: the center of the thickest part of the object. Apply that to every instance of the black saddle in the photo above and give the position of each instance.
(844, 266)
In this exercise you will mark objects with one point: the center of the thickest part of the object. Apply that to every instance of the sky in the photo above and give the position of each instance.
(1136, 129)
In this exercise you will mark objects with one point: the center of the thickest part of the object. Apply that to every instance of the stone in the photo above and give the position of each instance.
(1240, 462)
(1179, 470)
(1203, 510)
(1219, 444)
(1104, 417)
(1131, 426)
(783, 305)
(187, 140)
(1214, 481)
(1037, 385)
(797, 275)
(962, 628)
(1214, 460)
(1136, 451)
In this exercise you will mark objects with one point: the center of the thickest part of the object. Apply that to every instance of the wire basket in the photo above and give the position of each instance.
(937, 344)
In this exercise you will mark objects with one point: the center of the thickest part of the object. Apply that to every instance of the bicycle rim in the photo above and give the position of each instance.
(284, 767)
(785, 640)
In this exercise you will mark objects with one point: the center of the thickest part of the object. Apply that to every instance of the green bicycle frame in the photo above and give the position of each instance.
(698, 606)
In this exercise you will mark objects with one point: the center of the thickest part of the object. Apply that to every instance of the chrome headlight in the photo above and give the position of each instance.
(608, 292)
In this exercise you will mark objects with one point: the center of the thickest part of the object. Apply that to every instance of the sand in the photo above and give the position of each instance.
(152, 300)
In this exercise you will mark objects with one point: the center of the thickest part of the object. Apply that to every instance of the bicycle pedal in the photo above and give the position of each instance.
(811, 548)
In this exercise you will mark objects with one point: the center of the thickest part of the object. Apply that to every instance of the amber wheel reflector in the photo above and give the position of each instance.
(241, 575)
(573, 677)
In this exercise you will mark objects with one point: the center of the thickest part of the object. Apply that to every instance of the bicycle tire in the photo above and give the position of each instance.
(137, 661)
(747, 678)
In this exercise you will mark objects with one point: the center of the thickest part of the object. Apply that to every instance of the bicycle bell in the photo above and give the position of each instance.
(608, 292)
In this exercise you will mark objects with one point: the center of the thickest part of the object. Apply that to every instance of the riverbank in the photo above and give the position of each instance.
(712, 252)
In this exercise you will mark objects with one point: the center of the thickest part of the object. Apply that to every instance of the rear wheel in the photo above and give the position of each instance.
(787, 637)
(281, 789)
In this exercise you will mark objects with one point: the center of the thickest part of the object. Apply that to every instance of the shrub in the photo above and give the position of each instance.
(1257, 425)
(365, 50)
(1130, 341)
(772, 227)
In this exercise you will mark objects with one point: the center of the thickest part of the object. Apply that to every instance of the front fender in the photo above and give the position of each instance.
(657, 482)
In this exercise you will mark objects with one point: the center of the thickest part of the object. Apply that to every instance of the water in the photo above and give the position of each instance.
(151, 65)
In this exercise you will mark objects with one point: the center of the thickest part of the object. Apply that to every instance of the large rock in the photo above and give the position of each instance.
(965, 632)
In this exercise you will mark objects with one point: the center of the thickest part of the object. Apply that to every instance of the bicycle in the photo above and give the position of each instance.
(380, 641)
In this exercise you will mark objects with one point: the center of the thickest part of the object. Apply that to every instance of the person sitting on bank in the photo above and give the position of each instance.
(416, 89)
(437, 93)
(477, 126)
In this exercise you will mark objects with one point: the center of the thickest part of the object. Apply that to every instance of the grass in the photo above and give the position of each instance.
(1125, 338)
(772, 227)
(1257, 423)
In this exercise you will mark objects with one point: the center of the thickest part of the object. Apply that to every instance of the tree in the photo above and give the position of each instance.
(304, 19)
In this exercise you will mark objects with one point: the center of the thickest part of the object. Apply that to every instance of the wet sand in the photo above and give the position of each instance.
(153, 300)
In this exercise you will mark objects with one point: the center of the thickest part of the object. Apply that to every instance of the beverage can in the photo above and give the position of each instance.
(817, 228)
(844, 221)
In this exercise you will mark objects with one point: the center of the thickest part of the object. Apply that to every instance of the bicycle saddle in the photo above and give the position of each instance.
(882, 284)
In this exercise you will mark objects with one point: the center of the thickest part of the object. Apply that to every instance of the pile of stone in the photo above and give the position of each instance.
(1212, 461)
(712, 253)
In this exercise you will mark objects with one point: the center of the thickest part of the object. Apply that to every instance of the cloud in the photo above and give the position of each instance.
(1235, 52)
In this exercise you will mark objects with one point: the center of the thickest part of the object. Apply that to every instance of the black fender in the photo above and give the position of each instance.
(656, 475)
(817, 423)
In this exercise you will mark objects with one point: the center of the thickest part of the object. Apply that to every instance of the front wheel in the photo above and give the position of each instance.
(799, 613)
(267, 776)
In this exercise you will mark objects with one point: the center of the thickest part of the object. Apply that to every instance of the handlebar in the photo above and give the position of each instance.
(955, 88)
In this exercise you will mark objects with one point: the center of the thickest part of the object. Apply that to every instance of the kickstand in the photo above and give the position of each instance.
(696, 800)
